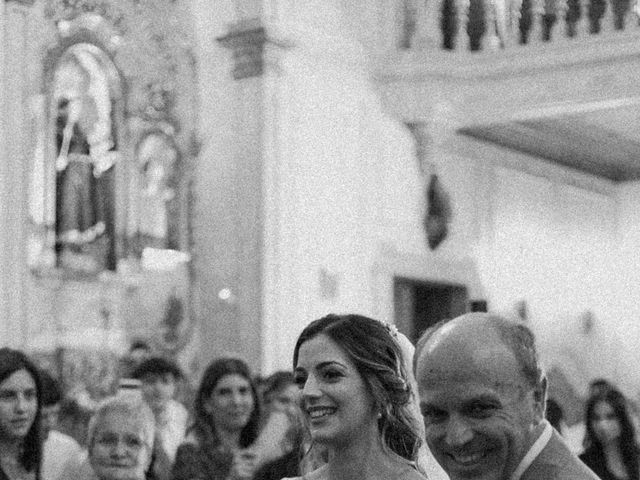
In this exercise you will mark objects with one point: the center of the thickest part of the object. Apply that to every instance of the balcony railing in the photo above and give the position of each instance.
(475, 25)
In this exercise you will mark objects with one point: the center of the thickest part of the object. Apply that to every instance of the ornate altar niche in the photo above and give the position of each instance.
(112, 158)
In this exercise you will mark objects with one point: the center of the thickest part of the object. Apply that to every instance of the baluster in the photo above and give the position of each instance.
(448, 24)
(548, 19)
(595, 11)
(634, 15)
(572, 17)
(606, 24)
(428, 34)
(525, 20)
(513, 20)
(463, 43)
(559, 31)
(505, 11)
(491, 40)
(477, 23)
(583, 25)
(407, 25)
(620, 10)
(537, 10)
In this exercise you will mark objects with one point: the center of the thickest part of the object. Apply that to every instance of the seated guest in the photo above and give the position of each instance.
(611, 450)
(60, 451)
(280, 391)
(284, 425)
(159, 378)
(482, 394)
(575, 434)
(20, 411)
(227, 419)
(120, 439)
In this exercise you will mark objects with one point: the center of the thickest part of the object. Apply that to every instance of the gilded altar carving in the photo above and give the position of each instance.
(117, 72)
(113, 153)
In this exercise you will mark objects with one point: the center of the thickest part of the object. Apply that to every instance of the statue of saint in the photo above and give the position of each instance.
(85, 230)
(157, 158)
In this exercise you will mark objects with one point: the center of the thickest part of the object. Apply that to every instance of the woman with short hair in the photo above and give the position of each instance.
(120, 439)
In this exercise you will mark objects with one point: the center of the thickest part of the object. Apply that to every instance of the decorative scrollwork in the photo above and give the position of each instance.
(154, 51)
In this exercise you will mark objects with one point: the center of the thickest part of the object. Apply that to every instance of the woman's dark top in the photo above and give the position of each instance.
(596, 462)
(195, 462)
(284, 467)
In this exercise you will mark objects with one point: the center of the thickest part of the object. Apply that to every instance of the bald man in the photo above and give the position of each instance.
(482, 395)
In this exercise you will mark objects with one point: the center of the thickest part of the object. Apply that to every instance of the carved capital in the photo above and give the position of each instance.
(247, 40)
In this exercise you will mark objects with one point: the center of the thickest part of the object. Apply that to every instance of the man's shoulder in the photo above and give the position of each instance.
(557, 462)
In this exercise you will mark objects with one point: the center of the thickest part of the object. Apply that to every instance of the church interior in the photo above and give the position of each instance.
(208, 176)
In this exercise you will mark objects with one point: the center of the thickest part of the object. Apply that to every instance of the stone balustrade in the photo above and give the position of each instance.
(475, 25)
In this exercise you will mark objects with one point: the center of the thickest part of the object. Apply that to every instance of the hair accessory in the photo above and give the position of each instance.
(392, 329)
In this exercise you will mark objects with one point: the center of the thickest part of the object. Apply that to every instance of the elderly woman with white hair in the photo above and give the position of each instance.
(119, 441)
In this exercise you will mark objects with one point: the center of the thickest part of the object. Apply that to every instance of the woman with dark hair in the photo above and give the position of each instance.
(20, 409)
(610, 446)
(355, 399)
(227, 416)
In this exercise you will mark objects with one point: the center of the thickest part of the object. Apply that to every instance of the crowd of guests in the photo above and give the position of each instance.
(359, 403)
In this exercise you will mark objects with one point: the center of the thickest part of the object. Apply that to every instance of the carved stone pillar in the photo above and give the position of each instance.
(15, 21)
(248, 40)
(257, 106)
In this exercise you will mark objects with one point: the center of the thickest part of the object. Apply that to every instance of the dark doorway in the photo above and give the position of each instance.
(419, 304)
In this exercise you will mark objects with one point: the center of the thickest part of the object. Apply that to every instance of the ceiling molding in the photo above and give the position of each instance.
(567, 141)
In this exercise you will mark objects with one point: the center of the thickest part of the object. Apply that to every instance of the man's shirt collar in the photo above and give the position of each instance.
(534, 451)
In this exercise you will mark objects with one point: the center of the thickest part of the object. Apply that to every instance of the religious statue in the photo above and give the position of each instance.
(157, 158)
(84, 225)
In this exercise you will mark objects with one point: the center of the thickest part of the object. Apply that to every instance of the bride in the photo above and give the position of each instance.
(355, 399)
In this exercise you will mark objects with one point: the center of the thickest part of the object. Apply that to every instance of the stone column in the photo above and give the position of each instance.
(15, 21)
(254, 53)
